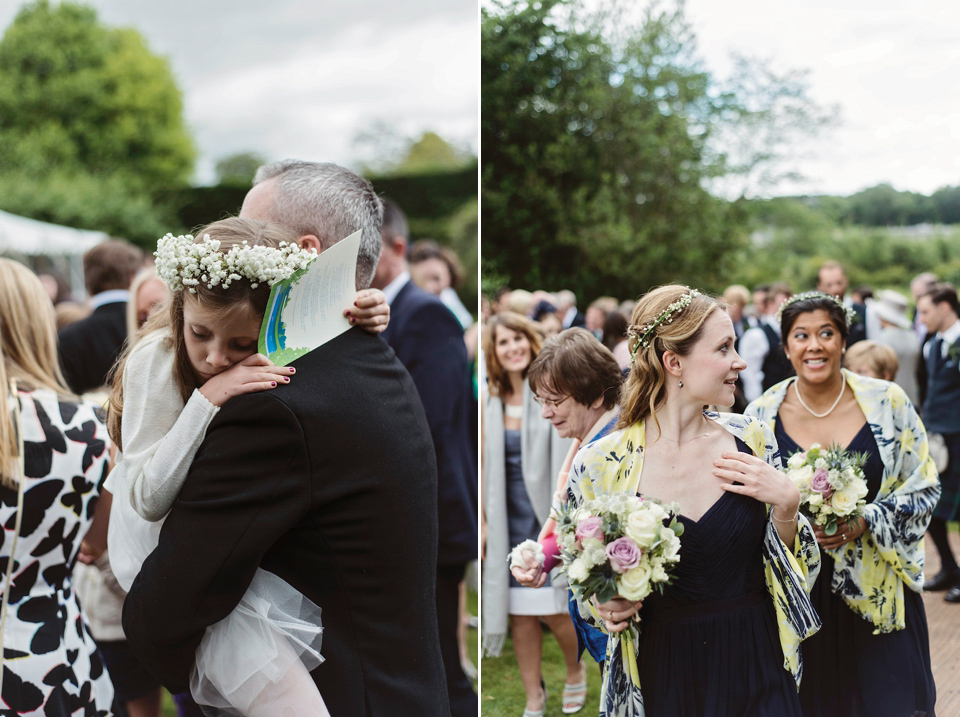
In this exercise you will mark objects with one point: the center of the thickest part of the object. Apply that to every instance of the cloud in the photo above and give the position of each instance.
(300, 77)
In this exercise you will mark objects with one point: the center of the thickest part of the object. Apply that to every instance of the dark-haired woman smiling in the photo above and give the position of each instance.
(872, 655)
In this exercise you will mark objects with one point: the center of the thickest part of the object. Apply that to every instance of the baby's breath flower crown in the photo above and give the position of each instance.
(645, 334)
(184, 263)
(848, 312)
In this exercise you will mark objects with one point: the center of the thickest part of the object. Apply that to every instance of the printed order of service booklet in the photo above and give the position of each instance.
(306, 310)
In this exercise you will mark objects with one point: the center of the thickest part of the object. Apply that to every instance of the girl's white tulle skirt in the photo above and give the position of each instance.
(256, 661)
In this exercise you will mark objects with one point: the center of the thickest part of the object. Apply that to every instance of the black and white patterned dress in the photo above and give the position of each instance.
(50, 661)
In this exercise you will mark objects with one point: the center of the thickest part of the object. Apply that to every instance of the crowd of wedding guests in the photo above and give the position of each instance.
(894, 361)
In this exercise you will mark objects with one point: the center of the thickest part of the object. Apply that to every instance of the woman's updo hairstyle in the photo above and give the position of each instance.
(813, 301)
(677, 331)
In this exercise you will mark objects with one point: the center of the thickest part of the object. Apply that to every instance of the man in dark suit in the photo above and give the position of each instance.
(328, 482)
(428, 340)
(89, 347)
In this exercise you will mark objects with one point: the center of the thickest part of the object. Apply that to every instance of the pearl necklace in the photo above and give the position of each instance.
(796, 387)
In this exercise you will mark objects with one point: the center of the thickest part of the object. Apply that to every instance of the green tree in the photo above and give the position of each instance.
(594, 154)
(238, 169)
(88, 107)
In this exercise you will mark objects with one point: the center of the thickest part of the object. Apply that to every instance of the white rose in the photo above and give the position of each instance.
(642, 527)
(800, 477)
(578, 571)
(859, 488)
(671, 550)
(844, 501)
(796, 461)
(635, 584)
(659, 575)
(815, 499)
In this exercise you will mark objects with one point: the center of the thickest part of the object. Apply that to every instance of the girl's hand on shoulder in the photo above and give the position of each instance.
(617, 613)
(370, 311)
(254, 373)
(759, 480)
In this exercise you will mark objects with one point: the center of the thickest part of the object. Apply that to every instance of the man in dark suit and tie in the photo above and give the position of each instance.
(938, 310)
(328, 482)
(428, 340)
(90, 347)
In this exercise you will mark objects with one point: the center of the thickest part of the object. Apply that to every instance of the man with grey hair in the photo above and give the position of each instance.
(567, 309)
(329, 482)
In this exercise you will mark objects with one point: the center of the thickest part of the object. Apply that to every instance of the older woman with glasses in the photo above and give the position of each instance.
(522, 455)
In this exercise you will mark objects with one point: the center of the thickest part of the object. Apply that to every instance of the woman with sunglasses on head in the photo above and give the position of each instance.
(872, 656)
(522, 455)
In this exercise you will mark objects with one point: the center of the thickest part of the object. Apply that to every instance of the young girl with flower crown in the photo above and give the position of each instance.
(187, 362)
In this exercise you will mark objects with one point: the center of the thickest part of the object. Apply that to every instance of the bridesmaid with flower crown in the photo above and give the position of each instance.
(872, 657)
(723, 639)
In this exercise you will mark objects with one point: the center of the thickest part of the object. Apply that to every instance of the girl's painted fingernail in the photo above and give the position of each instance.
(355, 303)
(286, 379)
(347, 312)
(353, 320)
(292, 370)
(273, 383)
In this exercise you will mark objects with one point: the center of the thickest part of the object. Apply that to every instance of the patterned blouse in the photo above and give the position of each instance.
(871, 571)
(614, 464)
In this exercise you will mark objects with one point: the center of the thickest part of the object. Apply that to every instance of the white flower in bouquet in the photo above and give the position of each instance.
(836, 479)
(820, 462)
(659, 574)
(578, 570)
(801, 476)
(594, 553)
(814, 500)
(796, 461)
(843, 501)
(642, 526)
(635, 583)
(671, 548)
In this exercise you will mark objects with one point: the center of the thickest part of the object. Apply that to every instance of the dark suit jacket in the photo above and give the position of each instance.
(428, 340)
(330, 483)
(90, 347)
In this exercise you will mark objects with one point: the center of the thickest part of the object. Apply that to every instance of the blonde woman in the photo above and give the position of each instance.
(723, 638)
(522, 455)
(54, 453)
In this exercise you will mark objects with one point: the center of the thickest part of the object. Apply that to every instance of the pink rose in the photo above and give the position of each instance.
(821, 481)
(624, 555)
(591, 527)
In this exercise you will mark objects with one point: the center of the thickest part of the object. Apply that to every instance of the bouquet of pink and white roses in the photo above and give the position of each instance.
(618, 545)
(831, 483)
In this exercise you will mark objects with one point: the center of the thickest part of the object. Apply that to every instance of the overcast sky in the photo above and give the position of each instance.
(300, 78)
(893, 67)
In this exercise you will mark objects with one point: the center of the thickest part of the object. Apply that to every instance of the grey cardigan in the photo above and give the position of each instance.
(542, 453)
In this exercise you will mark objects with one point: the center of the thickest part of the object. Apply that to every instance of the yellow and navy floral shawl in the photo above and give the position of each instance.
(613, 464)
(870, 572)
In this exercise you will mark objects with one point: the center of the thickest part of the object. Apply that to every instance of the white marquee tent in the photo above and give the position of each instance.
(63, 247)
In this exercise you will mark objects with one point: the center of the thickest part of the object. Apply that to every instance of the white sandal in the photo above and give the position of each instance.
(574, 698)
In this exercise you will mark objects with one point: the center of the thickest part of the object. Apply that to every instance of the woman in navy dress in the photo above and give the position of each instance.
(723, 639)
(872, 656)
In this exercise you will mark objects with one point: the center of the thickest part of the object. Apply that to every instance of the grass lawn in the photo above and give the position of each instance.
(170, 710)
(503, 694)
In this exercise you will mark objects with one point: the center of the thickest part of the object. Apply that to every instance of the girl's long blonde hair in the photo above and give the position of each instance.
(220, 302)
(645, 388)
(28, 352)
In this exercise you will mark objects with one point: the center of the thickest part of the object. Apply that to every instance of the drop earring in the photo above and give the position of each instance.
(680, 383)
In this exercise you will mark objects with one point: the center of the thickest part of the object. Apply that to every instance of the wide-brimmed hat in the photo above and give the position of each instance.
(891, 306)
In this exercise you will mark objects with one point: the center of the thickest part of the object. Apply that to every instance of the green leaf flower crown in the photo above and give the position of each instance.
(644, 334)
(183, 263)
(848, 312)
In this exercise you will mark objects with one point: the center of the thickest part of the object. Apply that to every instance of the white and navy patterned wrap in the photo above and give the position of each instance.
(871, 572)
(614, 463)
